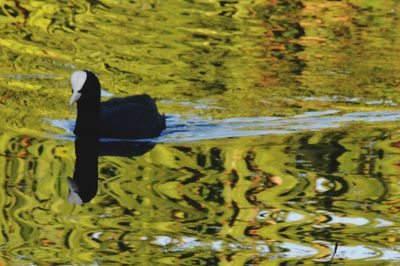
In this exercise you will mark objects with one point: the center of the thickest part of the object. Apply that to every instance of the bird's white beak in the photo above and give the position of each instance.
(74, 98)
(78, 79)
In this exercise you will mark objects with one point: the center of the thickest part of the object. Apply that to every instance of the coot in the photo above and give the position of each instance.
(131, 117)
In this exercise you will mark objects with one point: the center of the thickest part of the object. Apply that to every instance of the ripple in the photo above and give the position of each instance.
(351, 100)
(361, 252)
(33, 76)
(187, 128)
(245, 201)
(185, 243)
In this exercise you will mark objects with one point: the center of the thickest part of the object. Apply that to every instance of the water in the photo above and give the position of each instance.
(193, 128)
(282, 135)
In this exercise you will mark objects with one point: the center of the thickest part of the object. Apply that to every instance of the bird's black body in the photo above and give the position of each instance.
(131, 117)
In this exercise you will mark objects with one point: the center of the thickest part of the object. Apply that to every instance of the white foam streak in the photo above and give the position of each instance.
(188, 128)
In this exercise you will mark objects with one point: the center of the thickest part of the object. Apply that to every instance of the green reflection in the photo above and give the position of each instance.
(243, 199)
(266, 200)
(277, 58)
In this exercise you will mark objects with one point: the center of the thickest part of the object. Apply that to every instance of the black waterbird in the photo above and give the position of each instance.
(132, 117)
(122, 118)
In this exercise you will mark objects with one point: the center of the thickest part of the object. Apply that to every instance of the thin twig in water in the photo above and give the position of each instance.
(334, 252)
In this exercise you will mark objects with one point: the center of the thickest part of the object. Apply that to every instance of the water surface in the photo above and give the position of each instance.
(282, 135)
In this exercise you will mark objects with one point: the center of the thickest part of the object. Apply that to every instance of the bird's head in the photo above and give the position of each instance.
(84, 83)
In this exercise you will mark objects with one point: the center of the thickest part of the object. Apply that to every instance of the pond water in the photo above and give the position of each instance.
(283, 134)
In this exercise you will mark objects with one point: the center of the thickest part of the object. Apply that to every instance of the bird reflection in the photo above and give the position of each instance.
(84, 183)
